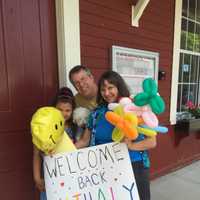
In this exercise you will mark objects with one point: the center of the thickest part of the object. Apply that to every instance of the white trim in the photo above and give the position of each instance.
(175, 65)
(138, 10)
(189, 52)
(192, 20)
(68, 38)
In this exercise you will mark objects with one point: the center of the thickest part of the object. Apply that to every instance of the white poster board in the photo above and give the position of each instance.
(103, 172)
(134, 66)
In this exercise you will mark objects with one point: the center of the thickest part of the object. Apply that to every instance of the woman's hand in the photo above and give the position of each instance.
(147, 143)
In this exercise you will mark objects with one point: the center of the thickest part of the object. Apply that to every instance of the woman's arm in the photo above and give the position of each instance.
(85, 139)
(39, 181)
(147, 143)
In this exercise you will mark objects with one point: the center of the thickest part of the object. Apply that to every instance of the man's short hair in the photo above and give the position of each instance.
(77, 69)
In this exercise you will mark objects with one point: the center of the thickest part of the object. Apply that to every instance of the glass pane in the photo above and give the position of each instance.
(184, 8)
(180, 68)
(183, 33)
(192, 9)
(190, 36)
(193, 73)
(198, 11)
(192, 93)
(185, 96)
(197, 38)
(179, 98)
(186, 68)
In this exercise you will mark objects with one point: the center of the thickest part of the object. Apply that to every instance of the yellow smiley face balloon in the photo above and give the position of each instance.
(47, 127)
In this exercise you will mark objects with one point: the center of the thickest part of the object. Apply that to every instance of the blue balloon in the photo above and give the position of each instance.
(160, 129)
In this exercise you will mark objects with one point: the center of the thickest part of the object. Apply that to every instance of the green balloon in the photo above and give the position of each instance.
(141, 99)
(150, 96)
(157, 104)
(119, 110)
(150, 86)
(117, 135)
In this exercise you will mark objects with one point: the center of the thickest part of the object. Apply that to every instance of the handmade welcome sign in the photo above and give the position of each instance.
(102, 172)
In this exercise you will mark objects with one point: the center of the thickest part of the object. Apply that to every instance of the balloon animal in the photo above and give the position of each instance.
(141, 106)
(126, 125)
(150, 96)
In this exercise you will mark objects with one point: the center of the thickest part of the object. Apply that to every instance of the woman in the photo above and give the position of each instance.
(111, 87)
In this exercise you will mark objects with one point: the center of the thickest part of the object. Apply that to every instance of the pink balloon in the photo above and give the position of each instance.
(150, 119)
(134, 109)
(145, 112)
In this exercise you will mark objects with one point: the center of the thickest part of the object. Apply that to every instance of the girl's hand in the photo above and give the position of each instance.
(39, 183)
(50, 153)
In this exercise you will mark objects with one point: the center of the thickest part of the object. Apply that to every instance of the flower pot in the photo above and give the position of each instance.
(191, 125)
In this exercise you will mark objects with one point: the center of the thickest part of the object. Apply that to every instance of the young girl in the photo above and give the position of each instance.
(111, 87)
(64, 101)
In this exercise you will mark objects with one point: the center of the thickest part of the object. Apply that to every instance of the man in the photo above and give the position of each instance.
(83, 80)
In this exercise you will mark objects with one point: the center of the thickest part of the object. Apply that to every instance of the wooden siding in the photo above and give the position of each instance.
(174, 150)
(108, 22)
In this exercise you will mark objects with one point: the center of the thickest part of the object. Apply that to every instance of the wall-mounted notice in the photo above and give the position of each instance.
(101, 172)
(134, 66)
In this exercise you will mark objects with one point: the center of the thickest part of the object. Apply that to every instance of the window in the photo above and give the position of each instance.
(189, 63)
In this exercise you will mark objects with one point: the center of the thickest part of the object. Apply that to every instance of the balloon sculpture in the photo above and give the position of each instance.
(131, 118)
(150, 97)
(47, 128)
(125, 124)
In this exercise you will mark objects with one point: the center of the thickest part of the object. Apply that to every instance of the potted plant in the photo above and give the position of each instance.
(193, 122)
(193, 110)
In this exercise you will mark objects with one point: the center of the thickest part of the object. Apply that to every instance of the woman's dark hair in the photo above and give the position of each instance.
(115, 79)
(65, 95)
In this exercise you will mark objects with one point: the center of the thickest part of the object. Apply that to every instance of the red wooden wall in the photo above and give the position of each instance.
(108, 22)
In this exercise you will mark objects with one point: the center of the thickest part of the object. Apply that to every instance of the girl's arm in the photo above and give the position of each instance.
(147, 143)
(85, 139)
(37, 161)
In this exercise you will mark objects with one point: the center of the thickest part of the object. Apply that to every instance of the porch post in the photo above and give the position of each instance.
(68, 37)
(175, 64)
